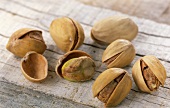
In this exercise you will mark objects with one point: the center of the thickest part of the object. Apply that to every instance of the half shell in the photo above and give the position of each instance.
(34, 67)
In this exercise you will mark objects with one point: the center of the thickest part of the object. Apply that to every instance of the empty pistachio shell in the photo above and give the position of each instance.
(67, 33)
(112, 86)
(148, 73)
(75, 66)
(117, 27)
(119, 53)
(25, 40)
(34, 66)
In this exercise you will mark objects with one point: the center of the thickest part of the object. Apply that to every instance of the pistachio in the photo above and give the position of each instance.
(75, 66)
(112, 86)
(148, 73)
(119, 53)
(109, 29)
(67, 33)
(25, 40)
(34, 66)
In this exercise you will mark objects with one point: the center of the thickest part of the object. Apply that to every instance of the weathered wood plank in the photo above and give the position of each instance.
(79, 12)
(148, 41)
(13, 96)
(155, 10)
(141, 40)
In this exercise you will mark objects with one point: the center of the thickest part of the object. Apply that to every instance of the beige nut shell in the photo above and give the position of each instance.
(126, 52)
(156, 67)
(67, 33)
(34, 67)
(109, 29)
(19, 46)
(121, 90)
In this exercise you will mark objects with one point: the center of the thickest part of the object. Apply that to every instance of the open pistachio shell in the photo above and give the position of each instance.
(109, 29)
(119, 53)
(148, 73)
(34, 66)
(67, 33)
(113, 84)
(25, 40)
(75, 66)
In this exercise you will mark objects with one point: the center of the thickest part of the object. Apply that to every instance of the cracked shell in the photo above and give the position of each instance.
(25, 40)
(75, 66)
(119, 54)
(109, 29)
(148, 73)
(67, 33)
(34, 66)
(112, 86)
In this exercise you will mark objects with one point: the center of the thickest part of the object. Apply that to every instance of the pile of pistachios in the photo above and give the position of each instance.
(112, 85)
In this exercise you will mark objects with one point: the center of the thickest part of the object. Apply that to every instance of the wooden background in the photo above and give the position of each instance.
(157, 10)
(17, 92)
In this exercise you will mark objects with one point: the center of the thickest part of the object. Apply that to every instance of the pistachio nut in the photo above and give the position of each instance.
(112, 86)
(67, 33)
(109, 29)
(75, 66)
(25, 40)
(119, 53)
(148, 73)
(34, 66)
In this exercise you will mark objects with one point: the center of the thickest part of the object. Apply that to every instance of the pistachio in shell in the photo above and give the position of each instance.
(109, 29)
(148, 73)
(75, 66)
(112, 86)
(67, 33)
(119, 53)
(25, 40)
(34, 67)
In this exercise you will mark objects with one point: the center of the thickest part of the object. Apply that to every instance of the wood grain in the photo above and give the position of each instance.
(150, 9)
(153, 38)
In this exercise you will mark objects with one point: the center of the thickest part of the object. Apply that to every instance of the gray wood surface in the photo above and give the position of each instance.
(13, 96)
(157, 10)
(153, 39)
